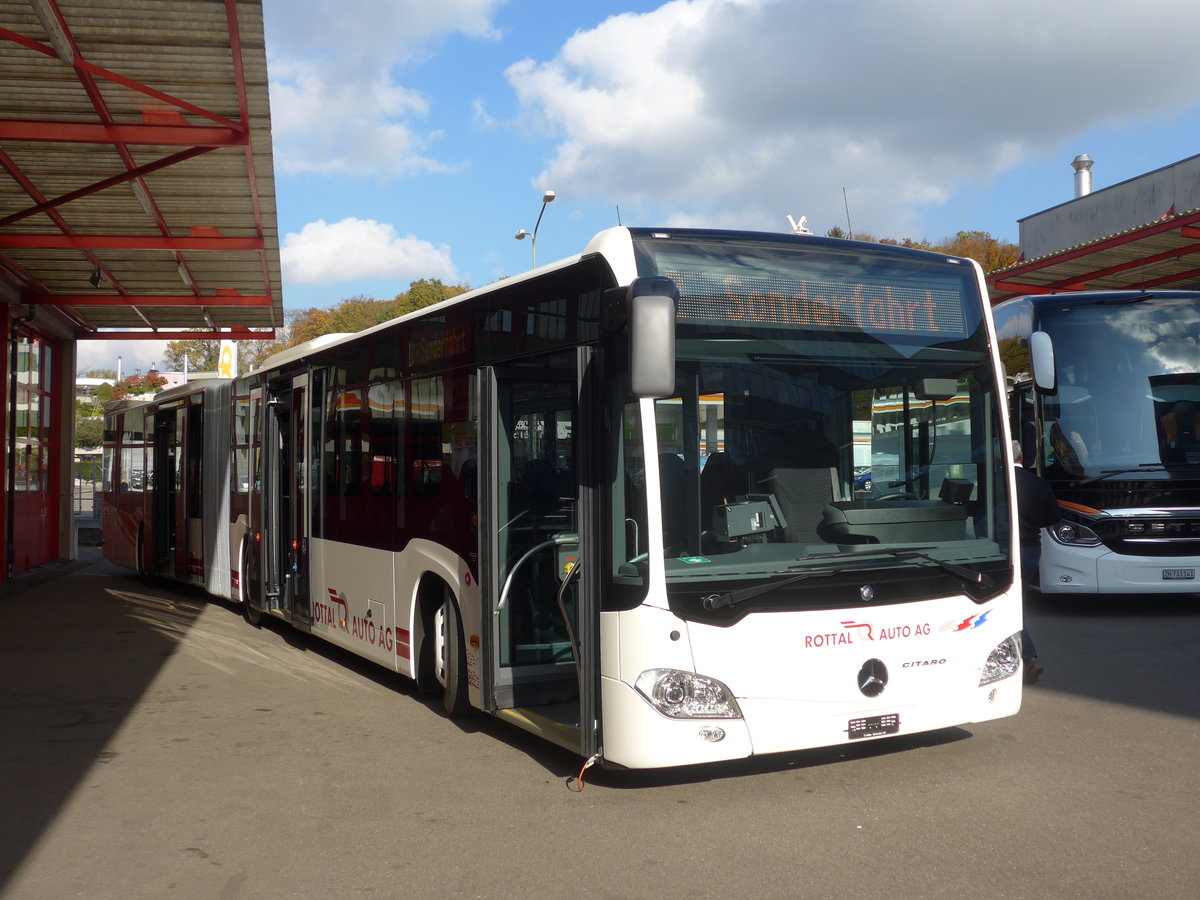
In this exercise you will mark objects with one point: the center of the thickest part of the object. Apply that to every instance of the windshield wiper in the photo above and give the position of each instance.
(968, 575)
(731, 598)
(1108, 473)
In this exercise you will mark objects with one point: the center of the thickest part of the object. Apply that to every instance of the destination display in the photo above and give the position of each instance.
(874, 306)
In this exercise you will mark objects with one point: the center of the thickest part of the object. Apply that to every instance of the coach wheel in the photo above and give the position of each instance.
(450, 658)
(251, 591)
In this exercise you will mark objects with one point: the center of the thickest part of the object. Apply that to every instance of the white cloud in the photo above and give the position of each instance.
(336, 105)
(129, 356)
(355, 249)
(738, 112)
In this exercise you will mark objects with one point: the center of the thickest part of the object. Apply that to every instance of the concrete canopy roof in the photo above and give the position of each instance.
(138, 193)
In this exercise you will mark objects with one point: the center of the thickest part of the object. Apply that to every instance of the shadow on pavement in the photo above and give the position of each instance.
(1137, 650)
(75, 657)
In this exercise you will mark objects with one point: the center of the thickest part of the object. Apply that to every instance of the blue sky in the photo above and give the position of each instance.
(413, 138)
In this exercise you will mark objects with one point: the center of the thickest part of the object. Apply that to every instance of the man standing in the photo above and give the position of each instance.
(1036, 509)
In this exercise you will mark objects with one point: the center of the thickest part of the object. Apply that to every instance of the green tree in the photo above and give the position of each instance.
(201, 356)
(420, 294)
(89, 432)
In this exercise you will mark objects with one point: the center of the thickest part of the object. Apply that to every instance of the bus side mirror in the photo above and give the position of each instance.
(650, 311)
(652, 346)
(1041, 353)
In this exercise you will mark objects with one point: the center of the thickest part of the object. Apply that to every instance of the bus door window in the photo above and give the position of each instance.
(279, 484)
(296, 539)
(161, 479)
(193, 475)
(536, 503)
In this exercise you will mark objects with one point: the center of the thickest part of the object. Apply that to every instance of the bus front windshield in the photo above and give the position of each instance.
(1128, 387)
(796, 452)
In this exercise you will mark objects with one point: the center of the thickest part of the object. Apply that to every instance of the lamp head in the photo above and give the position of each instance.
(548, 197)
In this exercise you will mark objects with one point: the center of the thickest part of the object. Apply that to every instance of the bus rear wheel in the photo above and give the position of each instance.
(450, 658)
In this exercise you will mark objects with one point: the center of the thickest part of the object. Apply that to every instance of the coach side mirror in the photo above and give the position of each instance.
(1041, 354)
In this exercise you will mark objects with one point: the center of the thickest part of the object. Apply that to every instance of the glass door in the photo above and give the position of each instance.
(539, 658)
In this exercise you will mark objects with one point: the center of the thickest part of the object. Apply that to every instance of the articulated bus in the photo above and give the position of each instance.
(611, 501)
(1106, 404)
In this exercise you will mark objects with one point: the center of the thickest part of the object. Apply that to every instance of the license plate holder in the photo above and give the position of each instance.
(873, 726)
(1179, 574)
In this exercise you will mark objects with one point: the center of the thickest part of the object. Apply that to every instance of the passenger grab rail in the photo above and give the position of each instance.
(557, 540)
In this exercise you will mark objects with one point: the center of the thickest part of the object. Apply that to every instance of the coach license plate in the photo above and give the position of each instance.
(1179, 574)
(873, 726)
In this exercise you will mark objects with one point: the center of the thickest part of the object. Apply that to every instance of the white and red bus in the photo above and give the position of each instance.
(611, 501)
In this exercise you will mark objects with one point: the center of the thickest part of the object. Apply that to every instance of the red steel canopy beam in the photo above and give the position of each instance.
(1170, 279)
(222, 300)
(236, 335)
(104, 184)
(1017, 287)
(1126, 266)
(126, 242)
(92, 68)
(117, 133)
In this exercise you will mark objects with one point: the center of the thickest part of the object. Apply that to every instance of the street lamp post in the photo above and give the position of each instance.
(547, 197)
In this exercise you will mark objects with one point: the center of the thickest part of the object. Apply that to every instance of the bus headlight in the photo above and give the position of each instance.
(1002, 662)
(1074, 534)
(686, 695)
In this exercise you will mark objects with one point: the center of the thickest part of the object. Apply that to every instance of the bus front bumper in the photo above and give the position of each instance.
(646, 739)
(1097, 570)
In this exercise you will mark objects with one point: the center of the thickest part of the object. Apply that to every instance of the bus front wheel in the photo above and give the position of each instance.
(450, 658)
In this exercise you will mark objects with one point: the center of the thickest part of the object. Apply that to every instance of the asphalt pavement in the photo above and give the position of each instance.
(152, 744)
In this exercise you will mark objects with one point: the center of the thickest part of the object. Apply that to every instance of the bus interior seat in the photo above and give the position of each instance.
(803, 495)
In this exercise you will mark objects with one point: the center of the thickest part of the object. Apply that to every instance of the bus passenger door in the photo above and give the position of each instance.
(301, 505)
(164, 521)
(285, 501)
(539, 662)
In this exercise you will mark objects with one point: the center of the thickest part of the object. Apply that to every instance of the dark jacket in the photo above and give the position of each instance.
(1036, 507)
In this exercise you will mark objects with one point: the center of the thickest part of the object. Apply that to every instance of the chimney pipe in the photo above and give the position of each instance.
(1082, 164)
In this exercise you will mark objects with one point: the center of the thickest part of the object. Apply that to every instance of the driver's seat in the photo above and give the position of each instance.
(803, 495)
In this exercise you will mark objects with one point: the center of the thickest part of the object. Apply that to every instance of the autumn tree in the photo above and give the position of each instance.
(980, 246)
(991, 253)
(138, 385)
(351, 315)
